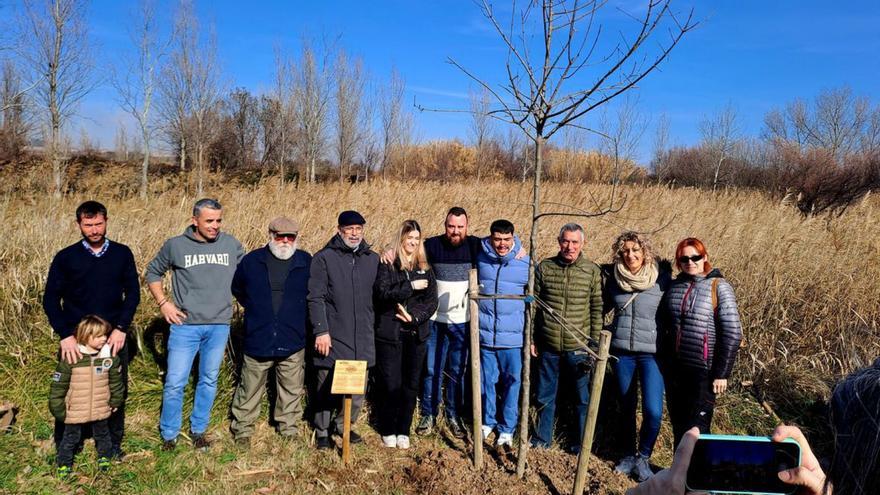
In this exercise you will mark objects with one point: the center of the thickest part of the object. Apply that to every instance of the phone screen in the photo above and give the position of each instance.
(731, 465)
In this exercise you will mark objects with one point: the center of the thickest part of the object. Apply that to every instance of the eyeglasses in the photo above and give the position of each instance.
(695, 259)
(284, 237)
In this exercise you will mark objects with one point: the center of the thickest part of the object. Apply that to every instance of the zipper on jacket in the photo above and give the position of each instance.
(495, 302)
(354, 302)
(632, 327)
(564, 306)
(91, 388)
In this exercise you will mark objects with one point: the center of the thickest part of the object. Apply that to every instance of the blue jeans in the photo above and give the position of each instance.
(447, 356)
(209, 341)
(652, 399)
(501, 368)
(578, 365)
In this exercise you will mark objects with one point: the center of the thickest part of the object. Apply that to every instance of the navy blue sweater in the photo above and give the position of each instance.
(80, 284)
(267, 334)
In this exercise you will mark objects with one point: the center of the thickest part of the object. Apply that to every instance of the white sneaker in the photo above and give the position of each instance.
(487, 430)
(402, 441)
(389, 441)
(504, 439)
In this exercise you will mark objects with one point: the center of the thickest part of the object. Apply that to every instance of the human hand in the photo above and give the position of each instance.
(172, 314)
(388, 256)
(522, 253)
(671, 481)
(69, 350)
(719, 386)
(323, 344)
(116, 341)
(421, 284)
(533, 350)
(403, 315)
(809, 475)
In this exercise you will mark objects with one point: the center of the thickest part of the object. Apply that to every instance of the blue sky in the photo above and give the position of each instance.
(756, 55)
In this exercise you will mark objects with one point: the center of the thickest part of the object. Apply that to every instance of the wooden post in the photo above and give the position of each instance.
(592, 412)
(346, 428)
(476, 386)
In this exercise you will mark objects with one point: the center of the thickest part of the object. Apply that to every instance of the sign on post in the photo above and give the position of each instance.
(349, 378)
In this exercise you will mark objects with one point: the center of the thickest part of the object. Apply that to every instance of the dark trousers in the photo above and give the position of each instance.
(328, 407)
(690, 399)
(70, 441)
(116, 421)
(399, 367)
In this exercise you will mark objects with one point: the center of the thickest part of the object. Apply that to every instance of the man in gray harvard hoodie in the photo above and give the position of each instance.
(202, 261)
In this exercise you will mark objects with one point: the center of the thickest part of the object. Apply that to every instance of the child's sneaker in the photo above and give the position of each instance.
(63, 472)
(103, 463)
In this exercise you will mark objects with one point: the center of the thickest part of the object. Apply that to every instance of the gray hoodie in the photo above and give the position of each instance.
(202, 275)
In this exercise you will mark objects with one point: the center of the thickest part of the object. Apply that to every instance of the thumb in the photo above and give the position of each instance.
(802, 476)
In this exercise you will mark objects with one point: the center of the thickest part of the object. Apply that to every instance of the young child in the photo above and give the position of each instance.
(85, 393)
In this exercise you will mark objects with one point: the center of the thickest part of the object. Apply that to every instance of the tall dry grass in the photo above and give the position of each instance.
(808, 290)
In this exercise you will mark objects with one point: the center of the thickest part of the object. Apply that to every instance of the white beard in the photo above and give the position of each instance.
(282, 251)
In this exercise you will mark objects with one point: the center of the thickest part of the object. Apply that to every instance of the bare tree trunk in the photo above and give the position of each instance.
(201, 169)
(145, 166)
(182, 157)
(530, 320)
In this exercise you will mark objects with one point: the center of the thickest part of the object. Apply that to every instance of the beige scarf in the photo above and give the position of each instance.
(641, 281)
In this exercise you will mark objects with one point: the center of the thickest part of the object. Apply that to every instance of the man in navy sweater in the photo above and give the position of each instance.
(93, 276)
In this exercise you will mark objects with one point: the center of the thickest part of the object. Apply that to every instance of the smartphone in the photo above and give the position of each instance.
(742, 464)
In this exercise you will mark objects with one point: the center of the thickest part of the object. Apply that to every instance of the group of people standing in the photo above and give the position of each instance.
(404, 312)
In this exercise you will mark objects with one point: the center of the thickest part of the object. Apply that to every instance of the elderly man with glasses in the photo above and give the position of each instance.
(271, 284)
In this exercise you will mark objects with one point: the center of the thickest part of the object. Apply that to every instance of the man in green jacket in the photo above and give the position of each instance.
(568, 317)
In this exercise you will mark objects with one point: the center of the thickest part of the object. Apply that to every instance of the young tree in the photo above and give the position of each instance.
(176, 84)
(480, 127)
(660, 158)
(311, 101)
(59, 57)
(136, 85)
(620, 133)
(14, 126)
(350, 123)
(721, 136)
(282, 108)
(243, 113)
(558, 69)
(395, 123)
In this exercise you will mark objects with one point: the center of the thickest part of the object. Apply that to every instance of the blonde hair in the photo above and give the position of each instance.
(91, 326)
(419, 259)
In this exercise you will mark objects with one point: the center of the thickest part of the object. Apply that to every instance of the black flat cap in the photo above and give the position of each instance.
(351, 217)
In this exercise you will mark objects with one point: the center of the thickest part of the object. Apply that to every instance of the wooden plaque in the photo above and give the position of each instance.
(349, 377)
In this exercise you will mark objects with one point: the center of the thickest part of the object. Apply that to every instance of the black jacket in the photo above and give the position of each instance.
(703, 336)
(341, 301)
(393, 286)
(267, 334)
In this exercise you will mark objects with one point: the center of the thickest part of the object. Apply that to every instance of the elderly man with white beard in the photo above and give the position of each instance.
(271, 284)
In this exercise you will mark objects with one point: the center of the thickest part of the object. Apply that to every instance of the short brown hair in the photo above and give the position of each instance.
(91, 326)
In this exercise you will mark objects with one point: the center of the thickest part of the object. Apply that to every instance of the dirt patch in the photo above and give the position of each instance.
(447, 471)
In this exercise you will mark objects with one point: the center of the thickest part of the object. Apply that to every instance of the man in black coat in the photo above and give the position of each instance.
(93, 276)
(341, 314)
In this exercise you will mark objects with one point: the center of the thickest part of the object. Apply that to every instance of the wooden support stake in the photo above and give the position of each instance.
(592, 413)
(476, 386)
(346, 428)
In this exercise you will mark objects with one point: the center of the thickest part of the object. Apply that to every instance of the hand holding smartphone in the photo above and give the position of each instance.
(741, 464)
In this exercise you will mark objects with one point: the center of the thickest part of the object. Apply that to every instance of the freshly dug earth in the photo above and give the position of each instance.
(447, 471)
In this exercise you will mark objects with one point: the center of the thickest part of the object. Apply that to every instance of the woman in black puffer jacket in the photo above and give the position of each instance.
(405, 298)
(705, 335)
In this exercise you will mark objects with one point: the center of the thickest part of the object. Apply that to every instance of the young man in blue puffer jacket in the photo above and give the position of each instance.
(501, 329)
